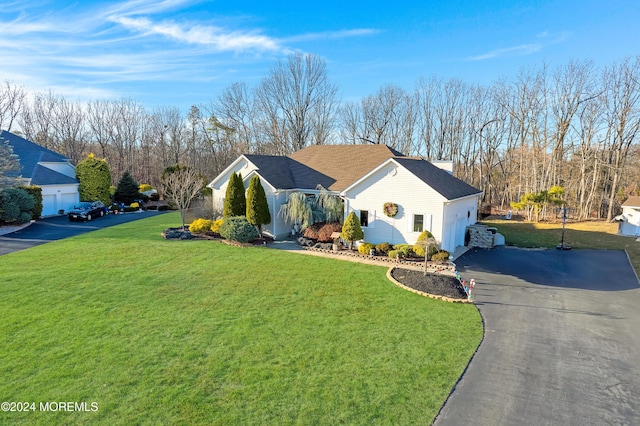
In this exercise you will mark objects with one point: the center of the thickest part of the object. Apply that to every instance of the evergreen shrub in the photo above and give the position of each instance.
(200, 226)
(16, 206)
(216, 224)
(384, 247)
(36, 193)
(419, 247)
(441, 256)
(365, 248)
(238, 228)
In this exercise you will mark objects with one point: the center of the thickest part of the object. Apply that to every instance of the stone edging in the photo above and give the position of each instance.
(445, 269)
(422, 293)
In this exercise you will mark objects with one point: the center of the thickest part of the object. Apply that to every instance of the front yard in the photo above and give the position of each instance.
(198, 332)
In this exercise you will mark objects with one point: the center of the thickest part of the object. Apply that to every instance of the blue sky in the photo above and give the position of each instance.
(182, 52)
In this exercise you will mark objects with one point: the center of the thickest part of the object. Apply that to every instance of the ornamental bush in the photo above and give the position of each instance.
(95, 179)
(312, 232)
(441, 256)
(36, 193)
(200, 226)
(238, 228)
(419, 246)
(351, 230)
(216, 224)
(324, 234)
(365, 248)
(405, 249)
(384, 248)
(16, 206)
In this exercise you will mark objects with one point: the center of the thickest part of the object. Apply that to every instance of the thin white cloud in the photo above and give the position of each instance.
(329, 35)
(521, 50)
(216, 37)
(545, 39)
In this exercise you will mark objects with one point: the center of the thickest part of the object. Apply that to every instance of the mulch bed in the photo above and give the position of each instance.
(441, 285)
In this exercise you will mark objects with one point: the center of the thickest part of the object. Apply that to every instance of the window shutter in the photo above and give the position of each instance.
(372, 218)
(427, 222)
(409, 221)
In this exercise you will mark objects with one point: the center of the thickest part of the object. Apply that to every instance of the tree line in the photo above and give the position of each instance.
(574, 126)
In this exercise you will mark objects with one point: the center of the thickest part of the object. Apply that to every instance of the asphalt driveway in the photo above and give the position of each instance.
(59, 227)
(562, 340)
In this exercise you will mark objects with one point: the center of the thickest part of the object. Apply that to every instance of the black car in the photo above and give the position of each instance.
(87, 210)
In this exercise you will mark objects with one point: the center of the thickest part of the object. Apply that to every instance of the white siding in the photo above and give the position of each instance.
(63, 168)
(407, 191)
(459, 214)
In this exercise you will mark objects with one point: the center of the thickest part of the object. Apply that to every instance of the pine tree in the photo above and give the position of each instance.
(95, 179)
(257, 207)
(351, 230)
(235, 203)
(127, 191)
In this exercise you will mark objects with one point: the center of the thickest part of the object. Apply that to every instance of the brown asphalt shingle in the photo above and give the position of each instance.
(344, 163)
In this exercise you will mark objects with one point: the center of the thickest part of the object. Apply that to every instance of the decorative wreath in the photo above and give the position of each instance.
(390, 209)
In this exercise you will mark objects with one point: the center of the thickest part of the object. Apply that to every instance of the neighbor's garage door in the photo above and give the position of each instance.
(49, 205)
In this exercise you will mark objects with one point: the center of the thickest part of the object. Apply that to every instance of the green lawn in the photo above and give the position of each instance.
(198, 332)
(587, 235)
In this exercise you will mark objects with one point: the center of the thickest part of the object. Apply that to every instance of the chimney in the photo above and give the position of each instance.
(446, 165)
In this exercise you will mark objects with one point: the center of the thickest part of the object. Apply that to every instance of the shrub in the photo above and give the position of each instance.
(324, 234)
(200, 226)
(384, 248)
(164, 208)
(127, 190)
(135, 205)
(441, 256)
(405, 249)
(16, 206)
(351, 230)
(419, 246)
(238, 228)
(95, 179)
(394, 254)
(154, 197)
(235, 201)
(144, 187)
(313, 231)
(365, 248)
(36, 193)
(216, 224)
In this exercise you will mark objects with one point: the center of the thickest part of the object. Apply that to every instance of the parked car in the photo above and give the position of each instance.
(87, 210)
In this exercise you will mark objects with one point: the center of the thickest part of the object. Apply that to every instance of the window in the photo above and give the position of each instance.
(364, 218)
(418, 223)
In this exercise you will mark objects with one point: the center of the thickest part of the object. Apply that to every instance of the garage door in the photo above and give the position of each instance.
(49, 205)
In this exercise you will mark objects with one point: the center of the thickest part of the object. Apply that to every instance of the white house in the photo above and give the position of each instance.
(49, 170)
(366, 177)
(629, 220)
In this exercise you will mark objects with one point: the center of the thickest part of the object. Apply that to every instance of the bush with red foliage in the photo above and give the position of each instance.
(324, 234)
(311, 232)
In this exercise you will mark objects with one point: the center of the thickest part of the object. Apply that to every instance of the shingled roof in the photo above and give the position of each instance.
(633, 201)
(287, 173)
(344, 163)
(440, 180)
(30, 155)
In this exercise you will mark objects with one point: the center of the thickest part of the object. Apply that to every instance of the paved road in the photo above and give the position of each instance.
(562, 340)
(59, 227)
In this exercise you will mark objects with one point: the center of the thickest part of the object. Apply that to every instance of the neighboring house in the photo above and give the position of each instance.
(365, 177)
(50, 171)
(629, 220)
